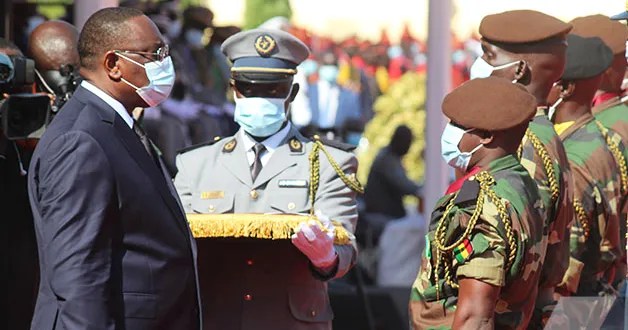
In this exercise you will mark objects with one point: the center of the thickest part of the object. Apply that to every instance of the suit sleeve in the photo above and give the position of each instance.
(336, 200)
(77, 204)
(395, 175)
(183, 184)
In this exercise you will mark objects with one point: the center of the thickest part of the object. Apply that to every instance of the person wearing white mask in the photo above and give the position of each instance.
(528, 48)
(269, 167)
(115, 248)
(483, 255)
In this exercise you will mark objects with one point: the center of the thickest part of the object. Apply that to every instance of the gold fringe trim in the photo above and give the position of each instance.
(262, 226)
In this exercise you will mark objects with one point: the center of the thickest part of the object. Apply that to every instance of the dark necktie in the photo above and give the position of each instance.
(257, 163)
(145, 141)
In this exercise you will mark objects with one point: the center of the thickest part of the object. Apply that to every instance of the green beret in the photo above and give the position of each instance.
(492, 104)
(264, 52)
(614, 34)
(586, 57)
(521, 26)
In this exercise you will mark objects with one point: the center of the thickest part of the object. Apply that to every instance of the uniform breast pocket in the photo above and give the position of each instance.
(213, 203)
(290, 200)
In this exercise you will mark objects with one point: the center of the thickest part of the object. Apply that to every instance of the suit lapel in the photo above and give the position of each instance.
(135, 148)
(236, 162)
(280, 160)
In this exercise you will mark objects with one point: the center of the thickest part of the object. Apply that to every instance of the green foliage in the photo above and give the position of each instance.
(403, 103)
(257, 12)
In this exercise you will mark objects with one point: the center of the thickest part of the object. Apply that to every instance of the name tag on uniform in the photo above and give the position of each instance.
(293, 183)
(213, 194)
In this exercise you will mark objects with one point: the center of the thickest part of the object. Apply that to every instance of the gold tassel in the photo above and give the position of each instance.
(261, 226)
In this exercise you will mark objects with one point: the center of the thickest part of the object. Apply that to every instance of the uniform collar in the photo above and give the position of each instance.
(270, 143)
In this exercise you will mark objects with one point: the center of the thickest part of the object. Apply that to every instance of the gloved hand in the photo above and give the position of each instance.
(316, 244)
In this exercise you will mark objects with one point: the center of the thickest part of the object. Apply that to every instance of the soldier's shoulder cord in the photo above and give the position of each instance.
(548, 163)
(613, 146)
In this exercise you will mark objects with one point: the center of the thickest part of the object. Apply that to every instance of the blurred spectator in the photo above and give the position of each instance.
(387, 181)
(332, 105)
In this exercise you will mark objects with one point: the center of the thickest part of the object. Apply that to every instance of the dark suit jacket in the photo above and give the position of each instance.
(115, 248)
(348, 106)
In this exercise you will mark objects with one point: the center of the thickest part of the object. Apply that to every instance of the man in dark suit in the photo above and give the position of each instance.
(115, 248)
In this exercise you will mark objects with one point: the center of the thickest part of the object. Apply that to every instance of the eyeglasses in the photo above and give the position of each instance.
(159, 55)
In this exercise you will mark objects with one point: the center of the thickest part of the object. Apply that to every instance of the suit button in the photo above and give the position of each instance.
(248, 297)
(313, 313)
(254, 194)
(291, 206)
(211, 209)
(249, 262)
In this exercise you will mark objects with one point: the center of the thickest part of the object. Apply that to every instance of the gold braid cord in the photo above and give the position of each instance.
(548, 164)
(261, 226)
(619, 158)
(315, 165)
(443, 252)
(582, 217)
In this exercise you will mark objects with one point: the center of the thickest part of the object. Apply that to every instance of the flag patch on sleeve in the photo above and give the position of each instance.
(463, 251)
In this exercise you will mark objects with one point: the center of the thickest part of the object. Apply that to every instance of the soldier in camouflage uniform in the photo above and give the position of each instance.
(594, 239)
(535, 57)
(608, 107)
(485, 243)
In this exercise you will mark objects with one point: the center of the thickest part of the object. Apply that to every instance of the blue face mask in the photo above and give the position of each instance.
(259, 116)
(329, 73)
(449, 141)
(353, 138)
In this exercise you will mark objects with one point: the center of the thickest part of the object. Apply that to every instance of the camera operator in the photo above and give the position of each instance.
(53, 47)
(16, 224)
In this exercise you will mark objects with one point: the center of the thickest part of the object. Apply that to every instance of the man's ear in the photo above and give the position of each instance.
(486, 137)
(522, 71)
(111, 65)
(293, 93)
(567, 89)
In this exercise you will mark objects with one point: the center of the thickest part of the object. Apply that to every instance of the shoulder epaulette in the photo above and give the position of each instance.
(336, 144)
(196, 146)
(468, 192)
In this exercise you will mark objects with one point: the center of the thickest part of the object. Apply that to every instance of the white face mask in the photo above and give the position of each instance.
(450, 139)
(481, 68)
(160, 80)
(552, 108)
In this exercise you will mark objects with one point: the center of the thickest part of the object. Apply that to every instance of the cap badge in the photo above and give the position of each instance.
(265, 44)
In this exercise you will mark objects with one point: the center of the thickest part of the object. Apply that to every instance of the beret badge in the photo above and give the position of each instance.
(265, 45)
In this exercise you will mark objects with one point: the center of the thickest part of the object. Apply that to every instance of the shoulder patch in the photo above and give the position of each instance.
(336, 144)
(468, 192)
(196, 146)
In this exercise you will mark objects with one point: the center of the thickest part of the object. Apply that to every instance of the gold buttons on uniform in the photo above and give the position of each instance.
(212, 208)
(248, 297)
(291, 206)
(254, 194)
(313, 313)
(249, 262)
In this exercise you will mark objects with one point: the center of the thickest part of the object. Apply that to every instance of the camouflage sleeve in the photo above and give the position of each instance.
(487, 250)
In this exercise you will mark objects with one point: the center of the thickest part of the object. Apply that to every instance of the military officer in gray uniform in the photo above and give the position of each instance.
(264, 168)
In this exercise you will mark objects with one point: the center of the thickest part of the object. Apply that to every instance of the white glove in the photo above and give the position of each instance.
(315, 243)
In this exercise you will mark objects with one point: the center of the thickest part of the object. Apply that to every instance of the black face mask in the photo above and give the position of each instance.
(62, 83)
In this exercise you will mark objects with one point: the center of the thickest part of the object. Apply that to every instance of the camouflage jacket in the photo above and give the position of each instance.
(594, 236)
(539, 147)
(614, 115)
(504, 250)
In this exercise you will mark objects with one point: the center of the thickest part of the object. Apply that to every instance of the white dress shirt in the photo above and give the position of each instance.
(271, 143)
(115, 104)
(327, 104)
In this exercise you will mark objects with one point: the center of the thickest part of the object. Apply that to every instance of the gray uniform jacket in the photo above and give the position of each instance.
(216, 178)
